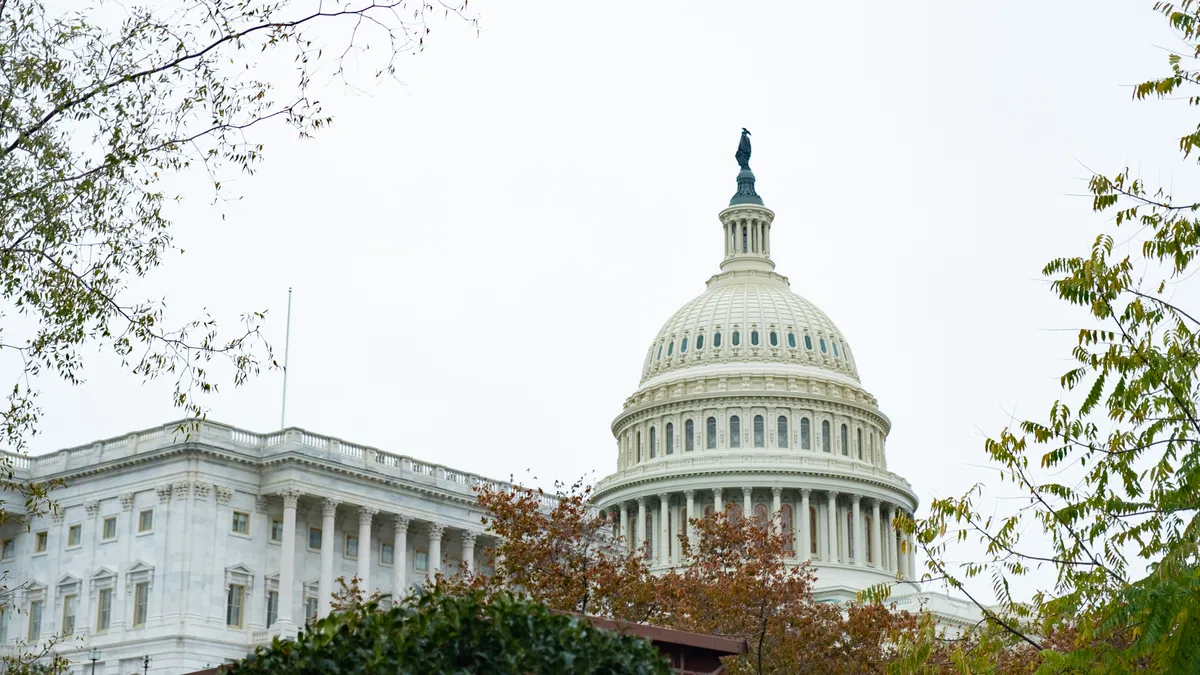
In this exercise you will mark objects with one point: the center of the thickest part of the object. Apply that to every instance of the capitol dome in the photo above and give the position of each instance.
(750, 403)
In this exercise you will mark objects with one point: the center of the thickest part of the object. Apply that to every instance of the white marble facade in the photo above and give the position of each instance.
(174, 544)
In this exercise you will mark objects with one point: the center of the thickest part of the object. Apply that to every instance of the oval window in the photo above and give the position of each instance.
(792, 340)
(717, 340)
(683, 347)
(774, 339)
(808, 342)
(835, 351)
(700, 341)
(754, 338)
(737, 338)
(671, 347)
(823, 350)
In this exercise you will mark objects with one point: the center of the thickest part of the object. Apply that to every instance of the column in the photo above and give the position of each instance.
(777, 505)
(890, 530)
(805, 541)
(325, 585)
(843, 536)
(690, 495)
(876, 551)
(641, 524)
(400, 559)
(747, 503)
(833, 528)
(287, 565)
(365, 515)
(468, 550)
(435, 550)
(860, 557)
(718, 503)
(664, 520)
(625, 525)
(676, 543)
(912, 555)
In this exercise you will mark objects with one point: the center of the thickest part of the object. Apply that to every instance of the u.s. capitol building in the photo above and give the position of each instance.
(192, 548)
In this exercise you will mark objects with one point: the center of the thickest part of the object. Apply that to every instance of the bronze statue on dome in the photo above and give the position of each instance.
(743, 151)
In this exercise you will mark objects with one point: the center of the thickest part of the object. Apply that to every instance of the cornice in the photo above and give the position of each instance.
(688, 401)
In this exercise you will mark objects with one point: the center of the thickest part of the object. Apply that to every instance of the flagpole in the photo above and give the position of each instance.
(287, 343)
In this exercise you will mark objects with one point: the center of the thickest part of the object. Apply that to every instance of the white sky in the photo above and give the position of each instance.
(481, 257)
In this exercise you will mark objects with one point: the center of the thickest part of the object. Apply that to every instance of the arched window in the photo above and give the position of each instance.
(639, 446)
(805, 434)
(689, 436)
(650, 535)
(660, 352)
(735, 432)
(653, 445)
(860, 444)
(789, 531)
(670, 438)
(760, 515)
(774, 339)
(758, 431)
(754, 338)
(782, 431)
(808, 342)
(812, 531)
(717, 340)
(825, 437)
(671, 347)
(710, 440)
(792, 340)
(867, 539)
(845, 441)
(737, 338)
(733, 512)
(700, 341)
(683, 346)
(822, 347)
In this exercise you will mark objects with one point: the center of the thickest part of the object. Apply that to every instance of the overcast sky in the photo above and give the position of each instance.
(481, 256)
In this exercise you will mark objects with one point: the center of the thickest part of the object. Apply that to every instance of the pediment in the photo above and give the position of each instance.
(68, 580)
(240, 569)
(103, 573)
(140, 567)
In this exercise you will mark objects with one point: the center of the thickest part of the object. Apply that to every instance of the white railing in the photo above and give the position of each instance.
(422, 468)
(355, 451)
(244, 437)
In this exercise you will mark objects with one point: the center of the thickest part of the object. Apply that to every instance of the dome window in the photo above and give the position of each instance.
(660, 352)
(835, 350)
(671, 438)
(717, 340)
(823, 350)
(825, 440)
(700, 341)
(805, 435)
(735, 430)
(689, 436)
(758, 431)
(860, 443)
(754, 338)
(845, 441)
(710, 441)
(671, 347)
(653, 445)
(807, 343)
(792, 340)
(737, 338)
(783, 431)
(774, 338)
(683, 347)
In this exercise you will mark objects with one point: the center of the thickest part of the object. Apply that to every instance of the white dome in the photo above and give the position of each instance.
(756, 307)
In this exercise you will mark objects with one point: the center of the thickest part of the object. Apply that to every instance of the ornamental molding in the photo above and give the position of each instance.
(92, 508)
(58, 514)
(164, 493)
(201, 490)
(181, 489)
(224, 494)
(260, 504)
(329, 508)
(127, 501)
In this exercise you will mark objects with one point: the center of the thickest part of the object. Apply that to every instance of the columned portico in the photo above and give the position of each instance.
(832, 538)
(400, 557)
(468, 550)
(365, 515)
(434, 565)
(805, 533)
(287, 565)
(328, 541)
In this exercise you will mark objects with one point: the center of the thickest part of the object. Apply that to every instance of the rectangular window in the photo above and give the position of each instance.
(74, 536)
(421, 560)
(272, 607)
(234, 602)
(276, 530)
(241, 523)
(104, 609)
(110, 529)
(8, 549)
(314, 538)
(310, 610)
(351, 550)
(146, 521)
(70, 603)
(41, 541)
(141, 603)
(35, 620)
(387, 553)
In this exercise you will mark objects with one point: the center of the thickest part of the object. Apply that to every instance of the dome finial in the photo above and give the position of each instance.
(745, 180)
